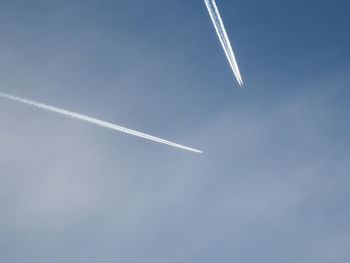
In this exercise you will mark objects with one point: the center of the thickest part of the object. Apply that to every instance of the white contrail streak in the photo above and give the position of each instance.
(225, 41)
(95, 121)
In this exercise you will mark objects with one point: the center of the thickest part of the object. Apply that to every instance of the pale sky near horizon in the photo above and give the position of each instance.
(272, 183)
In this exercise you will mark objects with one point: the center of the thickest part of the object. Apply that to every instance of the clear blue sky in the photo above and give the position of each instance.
(272, 183)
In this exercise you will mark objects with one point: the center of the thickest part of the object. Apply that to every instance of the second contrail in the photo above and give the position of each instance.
(95, 121)
(225, 41)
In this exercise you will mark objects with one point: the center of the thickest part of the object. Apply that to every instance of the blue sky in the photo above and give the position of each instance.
(271, 185)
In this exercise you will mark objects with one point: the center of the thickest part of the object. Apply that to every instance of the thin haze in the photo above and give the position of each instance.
(225, 41)
(95, 121)
(273, 184)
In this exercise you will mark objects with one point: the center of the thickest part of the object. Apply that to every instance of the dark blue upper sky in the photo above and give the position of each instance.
(271, 185)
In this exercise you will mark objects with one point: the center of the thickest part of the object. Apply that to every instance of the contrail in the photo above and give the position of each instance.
(95, 121)
(225, 41)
